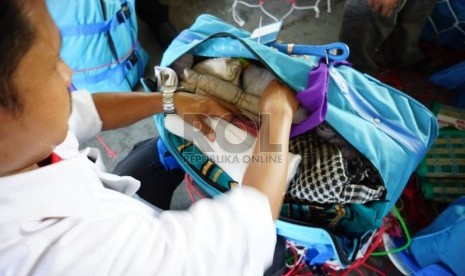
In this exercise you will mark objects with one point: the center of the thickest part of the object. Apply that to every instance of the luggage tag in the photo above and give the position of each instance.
(266, 34)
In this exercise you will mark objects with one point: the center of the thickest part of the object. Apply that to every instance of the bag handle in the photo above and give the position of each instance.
(337, 51)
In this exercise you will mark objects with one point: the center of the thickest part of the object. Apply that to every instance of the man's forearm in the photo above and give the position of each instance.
(122, 109)
(268, 173)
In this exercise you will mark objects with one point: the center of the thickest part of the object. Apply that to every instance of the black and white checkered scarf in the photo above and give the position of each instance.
(324, 176)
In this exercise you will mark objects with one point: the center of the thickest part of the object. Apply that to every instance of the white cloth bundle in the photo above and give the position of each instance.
(232, 149)
(227, 69)
(166, 78)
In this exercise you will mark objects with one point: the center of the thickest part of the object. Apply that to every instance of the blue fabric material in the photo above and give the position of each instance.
(391, 129)
(95, 28)
(434, 270)
(167, 160)
(89, 31)
(451, 78)
(313, 99)
(443, 241)
(115, 76)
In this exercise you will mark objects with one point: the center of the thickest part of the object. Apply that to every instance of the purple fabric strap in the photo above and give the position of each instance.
(313, 99)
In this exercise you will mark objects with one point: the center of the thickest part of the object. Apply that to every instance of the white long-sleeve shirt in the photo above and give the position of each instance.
(72, 218)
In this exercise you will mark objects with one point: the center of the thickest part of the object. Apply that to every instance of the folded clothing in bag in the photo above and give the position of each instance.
(232, 149)
(226, 79)
(325, 176)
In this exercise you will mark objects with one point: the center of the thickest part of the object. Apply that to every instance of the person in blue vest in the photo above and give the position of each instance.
(61, 213)
(385, 34)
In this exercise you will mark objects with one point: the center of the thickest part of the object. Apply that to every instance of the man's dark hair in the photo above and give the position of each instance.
(16, 38)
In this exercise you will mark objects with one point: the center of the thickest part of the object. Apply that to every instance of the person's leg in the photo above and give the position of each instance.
(156, 16)
(403, 42)
(152, 12)
(157, 183)
(364, 31)
(278, 267)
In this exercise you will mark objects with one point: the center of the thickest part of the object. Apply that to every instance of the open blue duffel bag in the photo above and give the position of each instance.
(390, 129)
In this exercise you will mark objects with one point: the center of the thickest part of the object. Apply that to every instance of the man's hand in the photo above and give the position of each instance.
(383, 7)
(278, 98)
(195, 109)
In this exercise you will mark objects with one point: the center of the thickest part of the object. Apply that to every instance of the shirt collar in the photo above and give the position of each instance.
(66, 188)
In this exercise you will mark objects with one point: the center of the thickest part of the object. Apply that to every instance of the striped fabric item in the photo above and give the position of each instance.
(446, 158)
(442, 189)
(442, 171)
(323, 215)
(202, 164)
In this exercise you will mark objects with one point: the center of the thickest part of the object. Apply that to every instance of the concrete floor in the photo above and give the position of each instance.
(300, 27)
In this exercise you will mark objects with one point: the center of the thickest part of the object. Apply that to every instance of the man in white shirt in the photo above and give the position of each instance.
(62, 214)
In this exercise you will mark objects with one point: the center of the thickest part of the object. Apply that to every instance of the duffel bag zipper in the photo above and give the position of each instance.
(401, 135)
(361, 107)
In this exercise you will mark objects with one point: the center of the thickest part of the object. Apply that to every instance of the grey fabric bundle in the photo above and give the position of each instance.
(225, 79)
(210, 85)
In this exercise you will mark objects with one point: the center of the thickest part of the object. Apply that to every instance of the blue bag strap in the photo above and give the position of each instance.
(337, 51)
(122, 16)
(116, 74)
(127, 22)
(168, 161)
